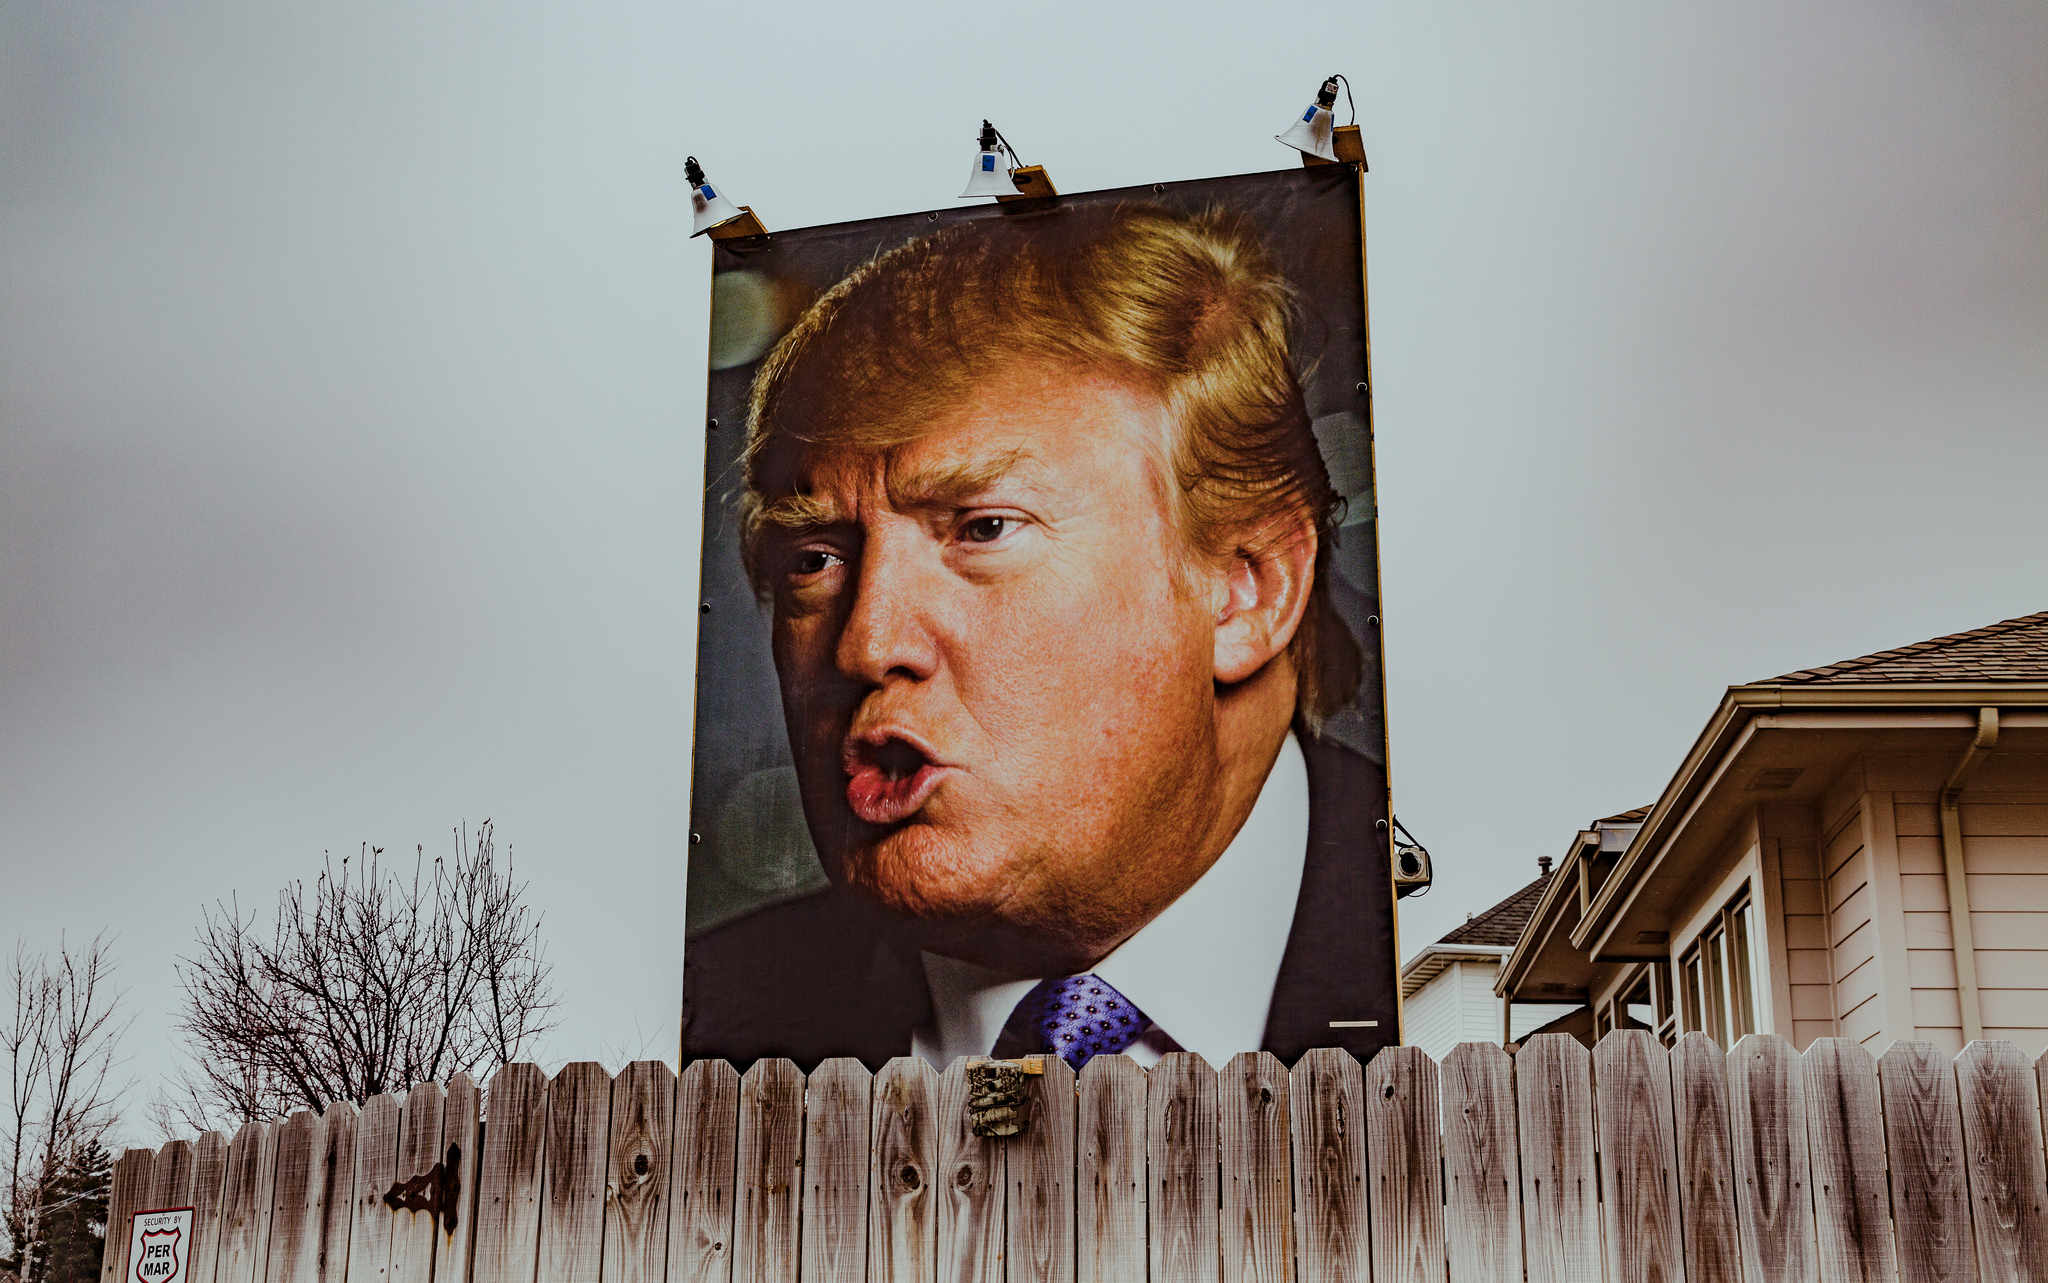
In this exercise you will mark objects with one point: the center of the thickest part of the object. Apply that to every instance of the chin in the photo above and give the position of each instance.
(923, 872)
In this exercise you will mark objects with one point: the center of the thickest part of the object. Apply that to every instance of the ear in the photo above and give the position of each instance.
(1261, 594)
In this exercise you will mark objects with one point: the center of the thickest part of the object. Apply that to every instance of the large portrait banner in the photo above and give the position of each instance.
(1040, 704)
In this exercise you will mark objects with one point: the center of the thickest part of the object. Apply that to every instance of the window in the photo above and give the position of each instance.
(1717, 978)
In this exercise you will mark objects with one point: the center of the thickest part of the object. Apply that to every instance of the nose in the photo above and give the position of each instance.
(887, 634)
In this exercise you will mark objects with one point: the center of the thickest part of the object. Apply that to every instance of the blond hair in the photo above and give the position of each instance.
(1191, 309)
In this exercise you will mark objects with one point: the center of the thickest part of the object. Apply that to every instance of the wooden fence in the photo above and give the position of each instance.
(1556, 1165)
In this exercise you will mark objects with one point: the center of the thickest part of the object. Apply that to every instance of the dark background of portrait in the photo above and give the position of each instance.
(749, 844)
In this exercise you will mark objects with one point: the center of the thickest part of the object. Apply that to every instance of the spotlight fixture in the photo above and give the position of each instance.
(1318, 136)
(997, 172)
(714, 213)
(1412, 874)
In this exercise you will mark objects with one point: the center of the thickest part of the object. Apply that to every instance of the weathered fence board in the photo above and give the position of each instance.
(243, 1206)
(1638, 1158)
(1404, 1167)
(1706, 1165)
(298, 1199)
(126, 1197)
(509, 1185)
(636, 1213)
(1180, 1153)
(572, 1202)
(461, 1113)
(1560, 1190)
(1038, 1213)
(838, 1108)
(902, 1224)
(209, 1167)
(970, 1193)
(1255, 1237)
(1109, 1183)
(1752, 1167)
(413, 1234)
(1326, 1107)
(2002, 1141)
(1482, 1179)
(1845, 1135)
(768, 1199)
(369, 1239)
(339, 1130)
(1767, 1131)
(702, 1173)
(1924, 1144)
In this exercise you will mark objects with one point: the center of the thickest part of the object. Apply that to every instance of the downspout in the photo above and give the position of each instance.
(1952, 866)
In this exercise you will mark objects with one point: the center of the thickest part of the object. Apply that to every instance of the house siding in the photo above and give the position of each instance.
(1847, 902)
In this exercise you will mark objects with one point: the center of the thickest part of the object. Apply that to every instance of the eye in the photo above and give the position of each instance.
(812, 561)
(986, 529)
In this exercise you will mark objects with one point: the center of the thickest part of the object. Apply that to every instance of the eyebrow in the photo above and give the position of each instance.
(933, 486)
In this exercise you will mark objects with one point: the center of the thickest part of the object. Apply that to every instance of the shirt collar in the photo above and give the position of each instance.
(1203, 971)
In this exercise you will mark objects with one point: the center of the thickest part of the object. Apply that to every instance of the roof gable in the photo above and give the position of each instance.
(2014, 650)
(1503, 923)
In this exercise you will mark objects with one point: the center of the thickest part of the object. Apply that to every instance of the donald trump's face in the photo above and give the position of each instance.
(1008, 681)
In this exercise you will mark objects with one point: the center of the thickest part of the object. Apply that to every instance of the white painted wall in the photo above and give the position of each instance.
(1458, 1005)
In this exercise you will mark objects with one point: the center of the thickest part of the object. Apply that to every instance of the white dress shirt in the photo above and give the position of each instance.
(1202, 971)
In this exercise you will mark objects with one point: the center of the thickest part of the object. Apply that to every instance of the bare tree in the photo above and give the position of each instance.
(366, 981)
(60, 1037)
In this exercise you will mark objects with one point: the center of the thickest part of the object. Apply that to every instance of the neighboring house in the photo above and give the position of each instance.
(1447, 992)
(1857, 851)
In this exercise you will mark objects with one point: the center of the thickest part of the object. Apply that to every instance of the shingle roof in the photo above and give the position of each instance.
(1626, 817)
(2015, 650)
(1503, 923)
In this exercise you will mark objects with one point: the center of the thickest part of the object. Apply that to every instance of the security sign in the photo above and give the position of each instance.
(159, 1244)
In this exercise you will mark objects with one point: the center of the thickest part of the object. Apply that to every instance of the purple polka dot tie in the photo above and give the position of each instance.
(1079, 1018)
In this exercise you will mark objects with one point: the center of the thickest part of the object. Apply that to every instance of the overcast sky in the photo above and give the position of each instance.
(351, 386)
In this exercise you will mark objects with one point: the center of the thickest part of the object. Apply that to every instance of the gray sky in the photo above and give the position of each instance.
(351, 378)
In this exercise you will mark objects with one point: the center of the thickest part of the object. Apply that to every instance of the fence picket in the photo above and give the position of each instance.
(1404, 1168)
(241, 1211)
(702, 1173)
(507, 1244)
(636, 1213)
(295, 1203)
(1638, 1157)
(1845, 1134)
(970, 1194)
(369, 1239)
(209, 1166)
(1924, 1140)
(1038, 1210)
(1254, 1231)
(1767, 1132)
(1706, 1165)
(770, 1175)
(572, 1200)
(339, 1127)
(1326, 1107)
(459, 1150)
(413, 1234)
(838, 1104)
(1109, 1177)
(1482, 1183)
(125, 1197)
(902, 1228)
(1180, 1154)
(1560, 1194)
(2002, 1140)
(170, 1175)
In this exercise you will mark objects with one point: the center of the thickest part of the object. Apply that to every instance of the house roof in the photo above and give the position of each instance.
(1503, 923)
(2014, 650)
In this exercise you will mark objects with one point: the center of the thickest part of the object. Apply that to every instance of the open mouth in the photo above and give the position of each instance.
(889, 777)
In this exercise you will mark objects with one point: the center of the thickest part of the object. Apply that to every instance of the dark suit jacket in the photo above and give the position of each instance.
(824, 976)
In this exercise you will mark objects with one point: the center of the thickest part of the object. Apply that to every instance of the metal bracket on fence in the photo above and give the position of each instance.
(995, 1095)
(436, 1191)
